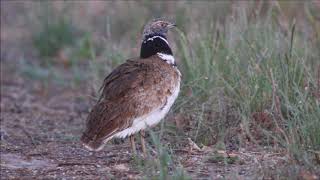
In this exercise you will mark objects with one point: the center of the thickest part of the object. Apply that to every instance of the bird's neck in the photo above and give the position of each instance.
(155, 44)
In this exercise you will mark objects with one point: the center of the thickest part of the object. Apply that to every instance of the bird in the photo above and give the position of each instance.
(138, 93)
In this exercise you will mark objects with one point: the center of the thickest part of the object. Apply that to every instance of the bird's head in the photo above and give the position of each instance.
(158, 26)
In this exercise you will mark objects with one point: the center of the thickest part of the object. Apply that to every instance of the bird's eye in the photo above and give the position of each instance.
(162, 24)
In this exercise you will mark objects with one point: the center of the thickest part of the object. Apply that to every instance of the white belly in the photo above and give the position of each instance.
(150, 119)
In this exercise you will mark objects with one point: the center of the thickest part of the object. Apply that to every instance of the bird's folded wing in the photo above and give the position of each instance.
(132, 90)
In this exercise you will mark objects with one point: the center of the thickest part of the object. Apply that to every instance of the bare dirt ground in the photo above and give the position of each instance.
(41, 126)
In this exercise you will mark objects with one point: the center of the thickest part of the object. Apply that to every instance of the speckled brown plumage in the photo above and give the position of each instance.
(132, 90)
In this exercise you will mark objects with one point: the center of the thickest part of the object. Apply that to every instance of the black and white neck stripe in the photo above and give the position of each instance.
(153, 44)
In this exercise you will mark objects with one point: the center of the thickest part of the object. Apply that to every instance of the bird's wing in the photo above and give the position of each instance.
(132, 90)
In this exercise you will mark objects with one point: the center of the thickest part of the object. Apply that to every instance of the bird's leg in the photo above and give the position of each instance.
(143, 144)
(133, 145)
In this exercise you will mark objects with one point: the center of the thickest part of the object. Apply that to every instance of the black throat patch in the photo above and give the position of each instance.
(154, 44)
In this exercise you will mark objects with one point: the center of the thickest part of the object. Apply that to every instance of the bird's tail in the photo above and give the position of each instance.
(90, 143)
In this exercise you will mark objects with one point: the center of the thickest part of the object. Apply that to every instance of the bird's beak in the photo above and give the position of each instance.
(170, 26)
